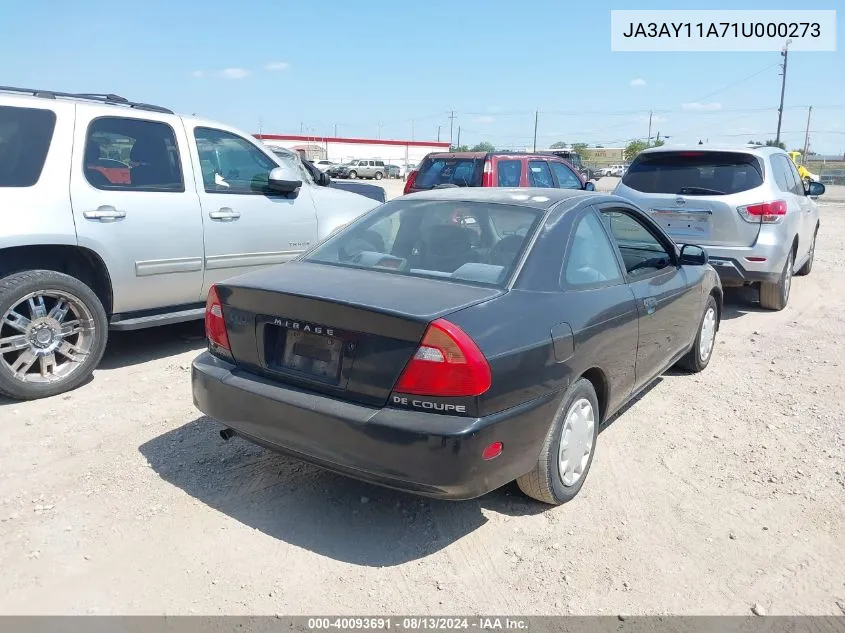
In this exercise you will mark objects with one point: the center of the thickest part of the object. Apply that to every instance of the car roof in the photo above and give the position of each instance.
(757, 150)
(537, 154)
(536, 197)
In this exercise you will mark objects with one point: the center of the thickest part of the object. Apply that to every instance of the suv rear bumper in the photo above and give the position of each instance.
(759, 263)
(427, 454)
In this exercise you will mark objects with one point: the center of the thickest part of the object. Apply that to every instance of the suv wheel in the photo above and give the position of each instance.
(775, 295)
(353, 174)
(379, 175)
(53, 332)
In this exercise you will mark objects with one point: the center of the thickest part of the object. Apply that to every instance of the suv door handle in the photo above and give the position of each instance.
(224, 214)
(104, 213)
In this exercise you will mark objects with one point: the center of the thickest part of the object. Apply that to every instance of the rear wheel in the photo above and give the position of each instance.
(353, 175)
(774, 296)
(53, 332)
(705, 340)
(568, 449)
(379, 175)
(808, 265)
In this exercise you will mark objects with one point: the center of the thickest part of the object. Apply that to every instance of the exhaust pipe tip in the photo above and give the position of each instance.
(227, 434)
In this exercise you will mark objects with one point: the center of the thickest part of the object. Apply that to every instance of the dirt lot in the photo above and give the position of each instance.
(710, 494)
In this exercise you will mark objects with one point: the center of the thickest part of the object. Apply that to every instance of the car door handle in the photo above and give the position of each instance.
(104, 213)
(224, 214)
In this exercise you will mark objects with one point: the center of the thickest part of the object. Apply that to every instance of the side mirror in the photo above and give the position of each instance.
(692, 255)
(814, 189)
(278, 181)
(324, 180)
(589, 186)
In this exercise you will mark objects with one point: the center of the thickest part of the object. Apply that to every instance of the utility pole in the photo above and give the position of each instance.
(536, 121)
(261, 126)
(438, 133)
(458, 144)
(451, 127)
(335, 130)
(807, 137)
(649, 129)
(657, 139)
(785, 54)
(301, 127)
(379, 131)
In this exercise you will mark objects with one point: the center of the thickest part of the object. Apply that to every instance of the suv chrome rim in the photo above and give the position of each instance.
(576, 441)
(45, 336)
(787, 278)
(708, 334)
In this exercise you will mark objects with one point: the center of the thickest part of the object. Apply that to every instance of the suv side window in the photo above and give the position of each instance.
(379, 163)
(231, 164)
(591, 259)
(509, 172)
(798, 190)
(25, 135)
(781, 173)
(539, 174)
(566, 178)
(642, 252)
(132, 155)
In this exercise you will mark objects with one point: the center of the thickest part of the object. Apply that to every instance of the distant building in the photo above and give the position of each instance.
(604, 154)
(341, 150)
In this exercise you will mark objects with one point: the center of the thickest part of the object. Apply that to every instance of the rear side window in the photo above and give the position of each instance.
(25, 135)
(694, 173)
(461, 172)
(132, 155)
(539, 174)
(509, 172)
(566, 178)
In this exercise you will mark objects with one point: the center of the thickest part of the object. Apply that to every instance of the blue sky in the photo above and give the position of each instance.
(371, 68)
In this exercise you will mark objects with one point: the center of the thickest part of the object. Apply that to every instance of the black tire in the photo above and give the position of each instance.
(697, 358)
(544, 483)
(13, 290)
(353, 175)
(379, 175)
(775, 295)
(807, 268)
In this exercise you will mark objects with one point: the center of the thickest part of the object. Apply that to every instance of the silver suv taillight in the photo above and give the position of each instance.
(763, 212)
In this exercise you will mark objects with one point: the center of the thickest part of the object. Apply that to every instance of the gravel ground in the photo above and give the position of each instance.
(711, 494)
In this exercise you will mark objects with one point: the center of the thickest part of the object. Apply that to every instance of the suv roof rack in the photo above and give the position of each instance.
(111, 99)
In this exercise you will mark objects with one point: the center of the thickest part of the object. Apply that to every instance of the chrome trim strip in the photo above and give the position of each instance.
(241, 260)
(147, 268)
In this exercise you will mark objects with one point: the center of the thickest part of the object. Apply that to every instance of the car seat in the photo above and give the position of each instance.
(448, 247)
(152, 163)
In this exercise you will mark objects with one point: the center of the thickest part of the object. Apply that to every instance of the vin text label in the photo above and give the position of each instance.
(723, 30)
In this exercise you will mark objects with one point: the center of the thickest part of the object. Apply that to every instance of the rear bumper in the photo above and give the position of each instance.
(428, 454)
(743, 265)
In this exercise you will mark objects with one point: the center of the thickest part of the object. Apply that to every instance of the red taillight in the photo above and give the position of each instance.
(409, 182)
(487, 174)
(492, 451)
(690, 154)
(764, 212)
(215, 326)
(447, 363)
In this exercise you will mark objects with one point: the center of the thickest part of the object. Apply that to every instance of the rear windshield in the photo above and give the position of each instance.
(694, 173)
(459, 172)
(25, 135)
(471, 242)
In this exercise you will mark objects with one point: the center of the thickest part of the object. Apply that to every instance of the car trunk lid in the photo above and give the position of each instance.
(340, 331)
(694, 195)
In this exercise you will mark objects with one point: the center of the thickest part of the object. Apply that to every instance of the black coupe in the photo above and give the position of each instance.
(451, 341)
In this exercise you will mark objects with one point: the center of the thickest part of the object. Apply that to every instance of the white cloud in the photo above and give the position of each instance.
(484, 119)
(234, 73)
(637, 83)
(198, 73)
(695, 106)
(277, 66)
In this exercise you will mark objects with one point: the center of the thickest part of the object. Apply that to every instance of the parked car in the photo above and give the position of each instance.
(360, 169)
(86, 245)
(323, 165)
(494, 169)
(322, 179)
(573, 158)
(411, 352)
(406, 169)
(747, 206)
(394, 171)
(612, 170)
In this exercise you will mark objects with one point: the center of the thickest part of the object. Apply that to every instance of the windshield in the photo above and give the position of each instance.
(694, 173)
(470, 242)
(458, 172)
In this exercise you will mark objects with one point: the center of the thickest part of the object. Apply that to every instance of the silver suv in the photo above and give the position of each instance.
(747, 206)
(366, 169)
(120, 215)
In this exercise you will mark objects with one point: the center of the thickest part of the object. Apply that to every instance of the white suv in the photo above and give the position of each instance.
(120, 215)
